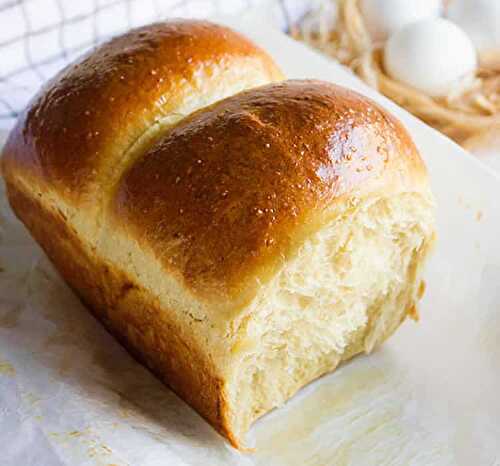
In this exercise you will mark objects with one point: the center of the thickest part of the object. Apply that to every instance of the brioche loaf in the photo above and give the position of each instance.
(241, 243)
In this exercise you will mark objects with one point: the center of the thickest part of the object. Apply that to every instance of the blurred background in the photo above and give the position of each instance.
(439, 59)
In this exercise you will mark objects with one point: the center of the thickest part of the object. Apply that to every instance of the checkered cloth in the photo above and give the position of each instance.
(39, 37)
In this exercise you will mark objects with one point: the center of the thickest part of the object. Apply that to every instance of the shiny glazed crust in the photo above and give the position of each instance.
(74, 133)
(124, 168)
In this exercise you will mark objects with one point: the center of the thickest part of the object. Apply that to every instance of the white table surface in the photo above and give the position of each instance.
(69, 394)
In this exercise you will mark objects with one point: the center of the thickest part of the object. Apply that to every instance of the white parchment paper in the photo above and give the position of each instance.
(71, 395)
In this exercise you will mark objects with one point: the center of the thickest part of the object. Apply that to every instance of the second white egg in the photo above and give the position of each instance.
(480, 19)
(384, 17)
(432, 56)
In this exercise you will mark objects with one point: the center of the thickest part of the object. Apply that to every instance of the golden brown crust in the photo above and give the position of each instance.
(129, 312)
(225, 195)
(84, 120)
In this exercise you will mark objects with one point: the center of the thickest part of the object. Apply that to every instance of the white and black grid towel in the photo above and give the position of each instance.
(39, 37)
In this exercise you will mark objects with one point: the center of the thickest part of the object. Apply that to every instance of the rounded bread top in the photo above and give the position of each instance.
(228, 194)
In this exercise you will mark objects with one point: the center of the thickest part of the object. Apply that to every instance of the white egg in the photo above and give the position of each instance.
(384, 17)
(480, 19)
(432, 55)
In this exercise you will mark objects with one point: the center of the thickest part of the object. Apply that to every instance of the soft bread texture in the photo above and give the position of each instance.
(240, 248)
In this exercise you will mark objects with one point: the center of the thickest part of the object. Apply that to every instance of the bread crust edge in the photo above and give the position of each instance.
(130, 313)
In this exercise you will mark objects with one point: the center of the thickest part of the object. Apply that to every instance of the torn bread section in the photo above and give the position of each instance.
(348, 289)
